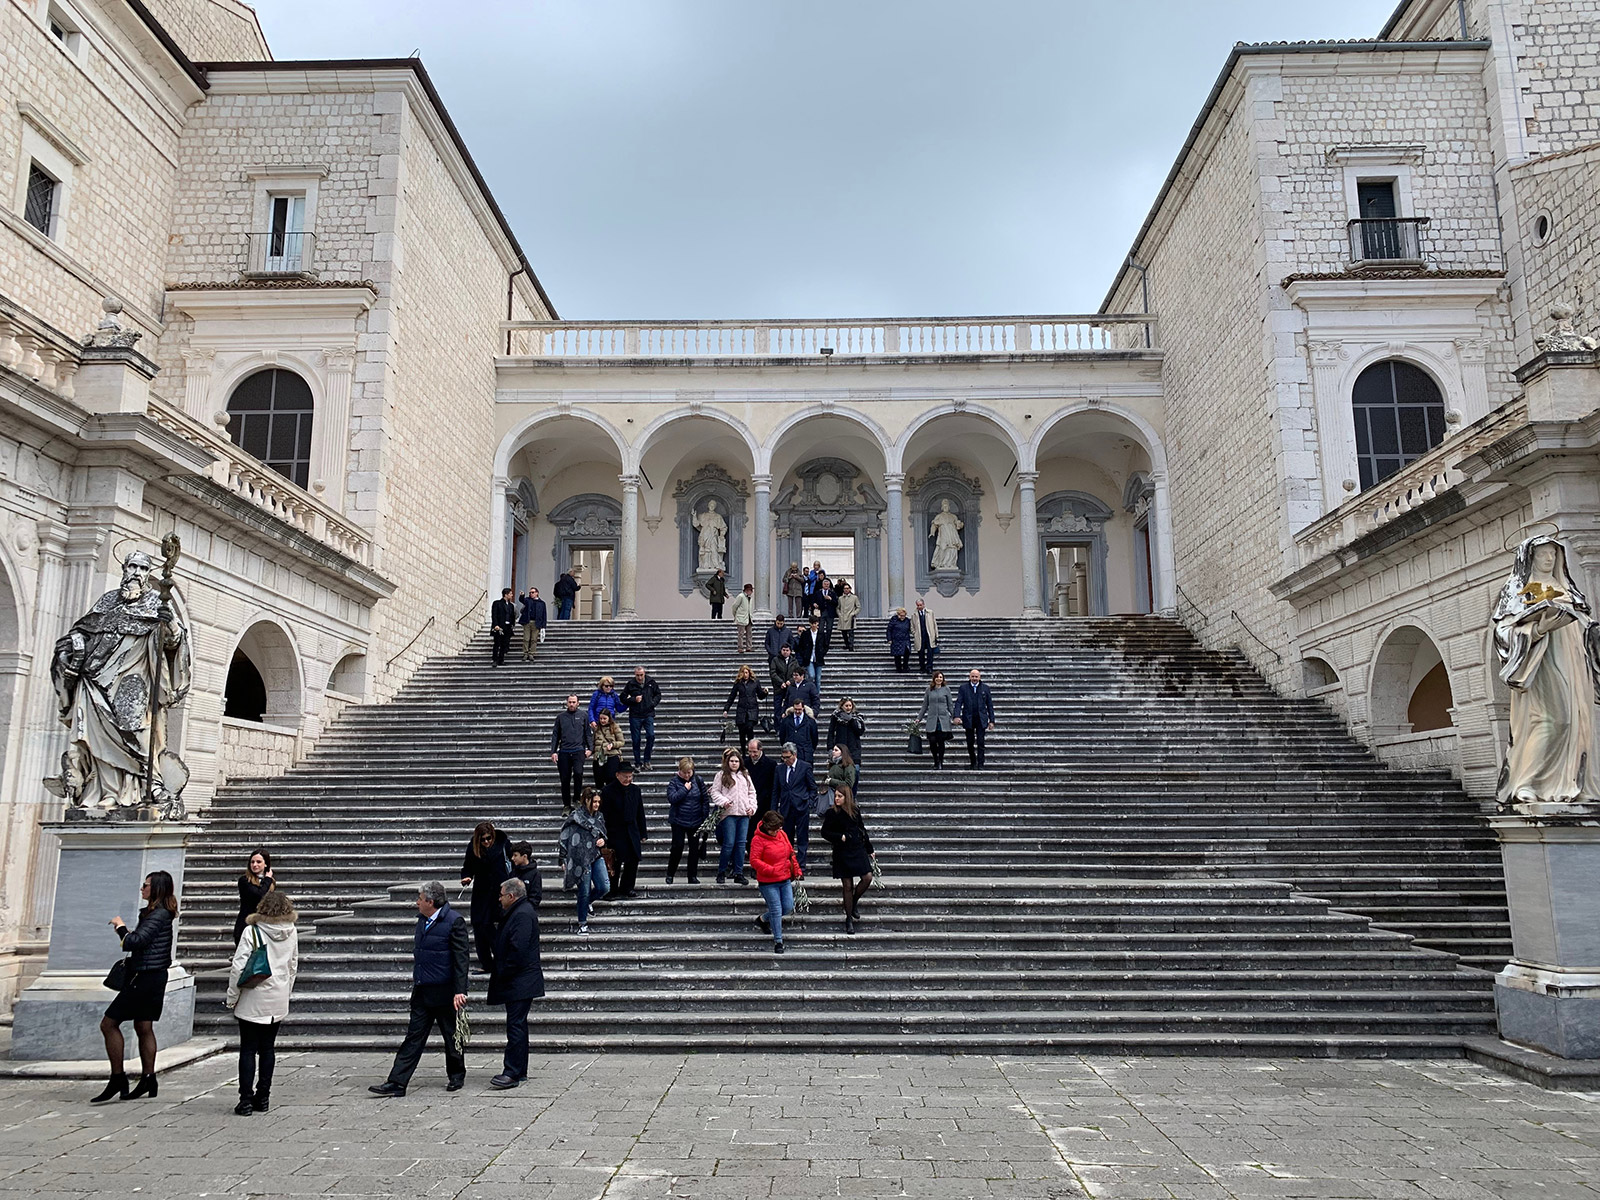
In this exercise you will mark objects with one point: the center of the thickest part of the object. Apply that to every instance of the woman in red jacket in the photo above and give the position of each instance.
(772, 858)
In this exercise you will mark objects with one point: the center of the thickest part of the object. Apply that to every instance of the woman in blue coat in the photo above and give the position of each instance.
(899, 635)
(686, 809)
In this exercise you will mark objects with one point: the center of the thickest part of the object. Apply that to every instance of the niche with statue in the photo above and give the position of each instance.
(945, 515)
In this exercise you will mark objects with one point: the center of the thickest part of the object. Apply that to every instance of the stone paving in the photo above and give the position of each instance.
(812, 1125)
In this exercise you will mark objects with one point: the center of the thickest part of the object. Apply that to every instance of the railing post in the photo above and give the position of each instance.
(630, 341)
(1022, 331)
(891, 338)
(763, 345)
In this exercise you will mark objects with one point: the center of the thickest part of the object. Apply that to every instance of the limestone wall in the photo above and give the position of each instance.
(251, 751)
(1564, 266)
(212, 30)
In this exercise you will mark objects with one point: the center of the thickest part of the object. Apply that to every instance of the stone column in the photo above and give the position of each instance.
(628, 554)
(1027, 509)
(332, 437)
(762, 520)
(895, 528)
(197, 365)
(1165, 590)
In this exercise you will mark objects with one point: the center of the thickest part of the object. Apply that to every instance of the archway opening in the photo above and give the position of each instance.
(244, 698)
(264, 682)
(698, 512)
(1411, 690)
(349, 677)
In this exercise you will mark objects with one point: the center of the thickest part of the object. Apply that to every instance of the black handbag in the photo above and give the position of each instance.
(120, 975)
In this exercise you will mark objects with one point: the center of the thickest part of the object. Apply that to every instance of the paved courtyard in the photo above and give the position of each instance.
(806, 1125)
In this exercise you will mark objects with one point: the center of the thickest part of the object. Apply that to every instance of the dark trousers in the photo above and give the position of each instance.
(849, 639)
(976, 734)
(570, 764)
(515, 1062)
(502, 639)
(423, 1016)
(563, 610)
(925, 658)
(643, 746)
(627, 875)
(483, 932)
(697, 847)
(747, 730)
(798, 827)
(716, 612)
(936, 744)
(257, 1046)
(902, 662)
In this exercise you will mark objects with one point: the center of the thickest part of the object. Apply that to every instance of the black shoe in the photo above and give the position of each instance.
(457, 1082)
(147, 1087)
(722, 877)
(116, 1089)
(261, 1101)
(761, 924)
(244, 1108)
(849, 925)
(741, 881)
(387, 1089)
(694, 879)
(777, 947)
(503, 1082)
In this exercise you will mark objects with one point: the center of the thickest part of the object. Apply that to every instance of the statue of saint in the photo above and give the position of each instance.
(117, 672)
(1549, 649)
(945, 530)
(713, 538)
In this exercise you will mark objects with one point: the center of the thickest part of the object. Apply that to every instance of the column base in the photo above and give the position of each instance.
(58, 1016)
(1030, 614)
(1554, 1011)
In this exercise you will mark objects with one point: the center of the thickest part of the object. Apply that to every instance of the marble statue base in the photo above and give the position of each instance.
(947, 583)
(102, 865)
(1548, 996)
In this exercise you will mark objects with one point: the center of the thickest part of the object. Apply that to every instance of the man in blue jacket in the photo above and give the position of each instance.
(518, 978)
(535, 615)
(975, 710)
(438, 991)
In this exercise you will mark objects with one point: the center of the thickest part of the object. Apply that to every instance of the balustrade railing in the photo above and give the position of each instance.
(930, 336)
(1428, 477)
(247, 477)
(1386, 240)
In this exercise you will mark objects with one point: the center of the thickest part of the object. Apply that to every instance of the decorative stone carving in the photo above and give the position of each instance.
(118, 672)
(1549, 648)
(109, 334)
(1563, 337)
(945, 516)
(709, 499)
(829, 497)
(1075, 518)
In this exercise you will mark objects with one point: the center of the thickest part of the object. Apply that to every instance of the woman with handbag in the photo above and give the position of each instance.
(141, 983)
(733, 795)
(580, 848)
(608, 745)
(260, 979)
(843, 829)
(744, 701)
(484, 867)
(938, 708)
(255, 883)
(773, 859)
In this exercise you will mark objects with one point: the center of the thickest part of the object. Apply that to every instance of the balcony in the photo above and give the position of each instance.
(1386, 241)
(277, 254)
(926, 337)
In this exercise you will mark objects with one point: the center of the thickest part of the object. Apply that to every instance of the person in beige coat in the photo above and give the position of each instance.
(845, 621)
(260, 1009)
(924, 636)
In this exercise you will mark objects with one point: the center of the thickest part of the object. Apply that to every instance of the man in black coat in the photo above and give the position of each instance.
(524, 868)
(622, 805)
(641, 697)
(566, 594)
(763, 770)
(802, 690)
(518, 978)
(502, 623)
(799, 730)
(975, 710)
(777, 637)
(438, 991)
(535, 616)
(794, 791)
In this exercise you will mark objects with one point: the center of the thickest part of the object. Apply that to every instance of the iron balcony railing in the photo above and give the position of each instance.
(1386, 240)
(278, 252)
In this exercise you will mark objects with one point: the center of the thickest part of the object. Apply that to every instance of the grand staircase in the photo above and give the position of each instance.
(1162, 856)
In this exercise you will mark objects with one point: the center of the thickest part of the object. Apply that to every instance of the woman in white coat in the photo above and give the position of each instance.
(261, 1008)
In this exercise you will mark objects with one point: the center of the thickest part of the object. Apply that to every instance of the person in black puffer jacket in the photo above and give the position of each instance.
(686, 809)
(744, 702)
(149, 948)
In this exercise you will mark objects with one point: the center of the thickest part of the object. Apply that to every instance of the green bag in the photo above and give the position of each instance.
(258, 969)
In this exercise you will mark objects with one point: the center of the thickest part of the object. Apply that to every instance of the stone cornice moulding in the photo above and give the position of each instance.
(1131, 390)
(140, 61)
(244, 82)
(1377, 154)
(266, 304)
(1358, 293)
(48, 130)
(287, 171)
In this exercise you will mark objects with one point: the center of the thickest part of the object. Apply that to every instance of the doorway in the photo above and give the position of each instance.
(1067, 567)
(836, 554)
(594, 565)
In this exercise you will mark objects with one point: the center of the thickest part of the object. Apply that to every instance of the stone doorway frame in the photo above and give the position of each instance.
(1076, 518)
(587, 521)
(830, 499)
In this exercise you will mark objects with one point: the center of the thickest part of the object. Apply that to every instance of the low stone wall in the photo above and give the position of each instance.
(250, 750)
(1434, 750)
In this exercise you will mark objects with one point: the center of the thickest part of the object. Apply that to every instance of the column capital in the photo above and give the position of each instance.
(894, 480)
(761, 481)
(1027, 478)
(630, 483)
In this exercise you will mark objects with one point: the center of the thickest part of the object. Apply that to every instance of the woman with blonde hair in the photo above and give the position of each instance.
(605, 698)
(609, 742)
(261, 1006)
(744, 700)
(732, 795)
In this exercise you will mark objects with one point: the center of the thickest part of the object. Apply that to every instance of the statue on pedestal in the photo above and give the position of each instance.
(117, 673)
(713, 539)
(945, 530)
(1549, 647)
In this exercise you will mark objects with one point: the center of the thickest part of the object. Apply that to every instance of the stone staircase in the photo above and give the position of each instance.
(1162, 856)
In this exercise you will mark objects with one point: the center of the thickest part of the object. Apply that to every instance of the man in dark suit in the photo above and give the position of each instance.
(518, 978)
(975, 710)
(778, 637)
(622, 805)
(801, 730)
(793, 792)
(802, 689)
(535, 616)
(763, 770)
(781, 666)
(502, 623)
(438, 991)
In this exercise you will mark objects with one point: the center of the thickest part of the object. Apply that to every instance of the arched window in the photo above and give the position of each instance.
(269, 416)
(244, 696)
(1399, 417)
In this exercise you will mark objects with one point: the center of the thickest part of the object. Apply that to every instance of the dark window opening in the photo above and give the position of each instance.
(1430, 703)
(269, 416)
(245, 696)
(40, 208)
(1399, 415)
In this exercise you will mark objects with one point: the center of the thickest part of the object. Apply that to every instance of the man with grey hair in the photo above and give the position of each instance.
(518, 979)
(438, 991)
(794, 790)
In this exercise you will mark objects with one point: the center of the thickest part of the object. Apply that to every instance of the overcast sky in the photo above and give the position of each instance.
(753, 158)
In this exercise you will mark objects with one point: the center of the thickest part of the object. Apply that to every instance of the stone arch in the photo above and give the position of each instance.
(282, 435)
(349, 673)
(1079, 517)
(14, 661)
(1316, 672)
(517, 437)
(657, 429)
(1008, 435)
(1148, 437)
(268, 648)
(1446, 376)
(1404, 684)
(241, 369)
(1382, 380)
(876, 432)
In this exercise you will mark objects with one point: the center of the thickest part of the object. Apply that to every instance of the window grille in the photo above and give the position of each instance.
(1399, 414)
(269, 416)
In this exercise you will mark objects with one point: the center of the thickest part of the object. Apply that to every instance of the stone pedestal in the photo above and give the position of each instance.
(102, 865)
(1548, 995)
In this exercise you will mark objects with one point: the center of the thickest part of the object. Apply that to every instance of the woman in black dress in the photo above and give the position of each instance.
(486, 865)
(744, 702)
(149, 949)
(255, 883)
(843, 829)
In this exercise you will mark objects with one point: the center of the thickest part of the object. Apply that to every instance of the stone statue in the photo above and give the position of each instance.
(713, 538)
(1549, 650)
(945, 530)
(117, 673)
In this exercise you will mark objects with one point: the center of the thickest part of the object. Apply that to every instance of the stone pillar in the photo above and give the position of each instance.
(197, 366)
(1548, 995)
(331, 443)
(628, 554)
(895, 528)
(1027, 509)
(102, 864)
(1165, 584)
(762, 520)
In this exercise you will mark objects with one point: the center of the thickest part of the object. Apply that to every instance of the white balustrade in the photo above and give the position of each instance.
(846, 339)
